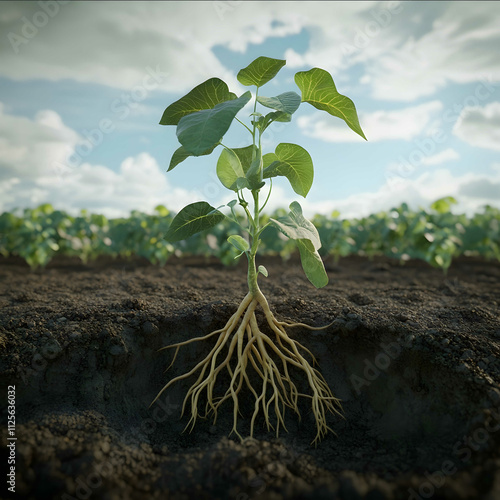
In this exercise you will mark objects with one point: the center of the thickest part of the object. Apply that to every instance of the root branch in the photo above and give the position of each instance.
(252, 348)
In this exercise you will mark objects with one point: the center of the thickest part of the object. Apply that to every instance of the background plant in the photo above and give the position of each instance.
(393, 233)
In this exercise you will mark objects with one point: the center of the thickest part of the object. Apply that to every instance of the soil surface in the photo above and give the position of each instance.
(413, 354)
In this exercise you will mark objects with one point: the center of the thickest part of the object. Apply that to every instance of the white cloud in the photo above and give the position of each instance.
(113, 44)
(448, 154)
(407, 49)
(334, 29)
(103, 44)
(7, 192)
(459, 46)
(482, 188)
(471, 190)
(31, 147)
(480, 126)
(141, 184)
(31, 155)
(380, 125)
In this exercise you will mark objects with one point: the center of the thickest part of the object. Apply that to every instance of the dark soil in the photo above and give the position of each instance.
(413, 354)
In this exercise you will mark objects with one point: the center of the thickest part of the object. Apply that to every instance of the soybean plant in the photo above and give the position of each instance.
(202, 117)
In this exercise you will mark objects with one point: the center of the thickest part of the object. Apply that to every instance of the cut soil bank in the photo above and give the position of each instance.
(413, 354)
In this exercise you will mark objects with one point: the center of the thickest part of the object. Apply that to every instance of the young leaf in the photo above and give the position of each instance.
(181, 154)
(192, 219)
(238, 242)
(204, 129)
(263, 271)
(205, 96)
(296, 227)
(294, 163)
(312, 264)
(260, 71)
(231, 205)
(288, 102)
(230, 172)
(275, 116)
(254, 173)
(279, 116)
(318, 89)
(245, 156)
(260, 123)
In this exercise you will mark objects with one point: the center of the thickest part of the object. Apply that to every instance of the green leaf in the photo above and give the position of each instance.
(246, 155)
(230, 172)
(205, 96)
(267, 160)
(443, 205)
(260, 71)
(318, 89)
(181, 154)
(312, 264)
(293, 162)
(297, 227)
(192, 219)
(250, 158)
(238, 242)
(288, 102)
(279, 116)
(254, 173)
(204, 129)
(263, 270)
(275, 116)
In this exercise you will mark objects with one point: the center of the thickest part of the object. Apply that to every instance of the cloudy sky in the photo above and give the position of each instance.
(84, 84)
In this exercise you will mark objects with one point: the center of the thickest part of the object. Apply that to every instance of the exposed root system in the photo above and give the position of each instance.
(249, 345)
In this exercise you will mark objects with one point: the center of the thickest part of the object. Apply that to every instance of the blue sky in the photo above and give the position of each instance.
(83, 86)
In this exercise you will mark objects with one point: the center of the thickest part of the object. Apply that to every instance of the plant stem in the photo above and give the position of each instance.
(255, 224)
(268, 195)
(237, 119)
(254, 110)
(252, 269)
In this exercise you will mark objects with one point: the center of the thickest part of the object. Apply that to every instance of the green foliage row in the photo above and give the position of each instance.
(435, 235)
